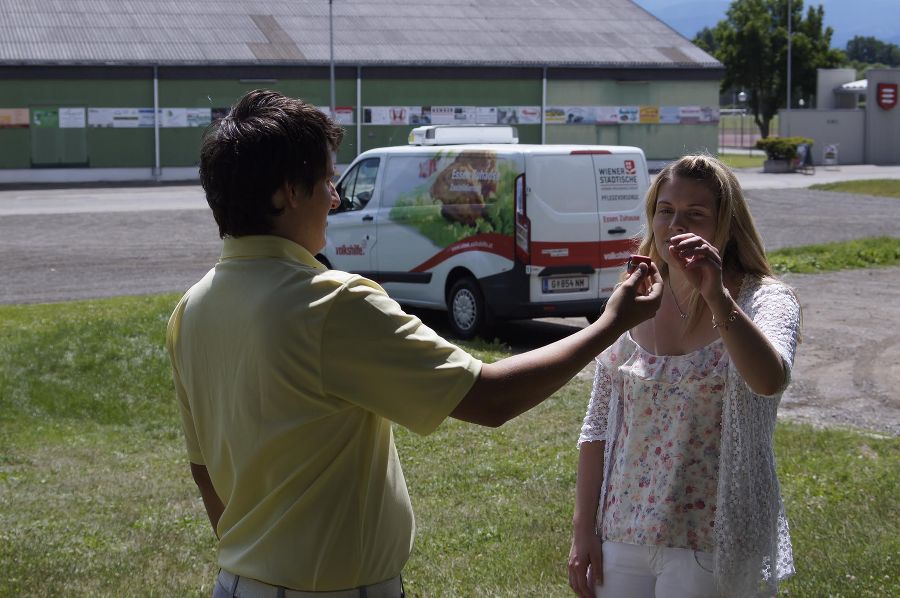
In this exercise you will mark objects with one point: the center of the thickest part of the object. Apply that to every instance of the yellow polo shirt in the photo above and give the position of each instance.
(288, 376)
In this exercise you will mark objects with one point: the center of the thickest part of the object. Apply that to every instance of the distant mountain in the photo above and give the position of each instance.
(687, 17)
(876, 18)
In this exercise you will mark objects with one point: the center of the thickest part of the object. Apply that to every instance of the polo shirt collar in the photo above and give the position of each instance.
(271, 246)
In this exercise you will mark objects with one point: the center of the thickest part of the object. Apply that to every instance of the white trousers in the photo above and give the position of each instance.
(631, 571)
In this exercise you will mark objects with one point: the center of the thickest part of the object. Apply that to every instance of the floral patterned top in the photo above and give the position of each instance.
(752, 551)
(662, 488)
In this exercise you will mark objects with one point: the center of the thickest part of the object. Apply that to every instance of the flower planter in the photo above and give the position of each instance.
(778, 166)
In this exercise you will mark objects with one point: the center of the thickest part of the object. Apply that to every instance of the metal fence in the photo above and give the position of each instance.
(737, 129)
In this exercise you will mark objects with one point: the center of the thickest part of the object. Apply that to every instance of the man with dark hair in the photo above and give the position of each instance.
(265, 141)
(288, 375)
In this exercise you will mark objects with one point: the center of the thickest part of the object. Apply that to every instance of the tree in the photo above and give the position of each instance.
(706, 40)
(752, 44)
(870, 50)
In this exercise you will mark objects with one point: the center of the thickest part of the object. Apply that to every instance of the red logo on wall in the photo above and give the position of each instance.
(629, 167)
(886, 94)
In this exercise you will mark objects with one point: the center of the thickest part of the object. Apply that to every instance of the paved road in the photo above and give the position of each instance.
(57, 257)
(792, 217)
(755, 178)
(58, 244)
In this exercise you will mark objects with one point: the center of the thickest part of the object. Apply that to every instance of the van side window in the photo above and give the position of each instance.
(358, 186)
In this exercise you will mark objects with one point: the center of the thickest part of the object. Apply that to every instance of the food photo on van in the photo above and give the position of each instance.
(467, 220)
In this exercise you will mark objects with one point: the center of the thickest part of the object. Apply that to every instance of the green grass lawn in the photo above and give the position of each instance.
(96, 498)
(742, 160)
(862, 253)
(880, 187)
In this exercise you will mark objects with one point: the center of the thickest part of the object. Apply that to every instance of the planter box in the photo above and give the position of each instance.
(778, 166)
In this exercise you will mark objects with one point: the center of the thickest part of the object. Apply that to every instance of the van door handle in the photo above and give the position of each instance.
(617, 231)
(370, 218)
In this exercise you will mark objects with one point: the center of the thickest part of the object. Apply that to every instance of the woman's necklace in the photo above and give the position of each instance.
(678, 307)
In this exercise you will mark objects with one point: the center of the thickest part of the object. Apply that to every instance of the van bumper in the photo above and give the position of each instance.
(507, 298)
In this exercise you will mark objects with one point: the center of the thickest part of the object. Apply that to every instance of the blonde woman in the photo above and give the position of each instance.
(677, 494)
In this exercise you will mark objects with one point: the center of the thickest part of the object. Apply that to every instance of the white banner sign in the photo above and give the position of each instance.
(72, 118)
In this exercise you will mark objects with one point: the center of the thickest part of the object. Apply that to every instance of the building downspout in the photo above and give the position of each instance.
(157, 171)
(543, 106)
(359, 112)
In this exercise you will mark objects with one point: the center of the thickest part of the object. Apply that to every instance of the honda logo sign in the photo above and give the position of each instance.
(886, 94)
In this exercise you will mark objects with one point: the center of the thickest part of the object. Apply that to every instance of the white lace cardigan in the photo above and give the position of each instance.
(752, 546)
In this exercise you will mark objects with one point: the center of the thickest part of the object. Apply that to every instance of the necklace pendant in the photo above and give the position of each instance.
(683, 316)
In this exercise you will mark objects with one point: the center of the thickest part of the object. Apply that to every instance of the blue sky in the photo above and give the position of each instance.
(848, 18)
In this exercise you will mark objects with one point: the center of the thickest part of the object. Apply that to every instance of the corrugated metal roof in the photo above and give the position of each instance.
(588, 33)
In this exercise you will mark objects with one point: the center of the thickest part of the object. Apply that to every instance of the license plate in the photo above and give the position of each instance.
(565, 284)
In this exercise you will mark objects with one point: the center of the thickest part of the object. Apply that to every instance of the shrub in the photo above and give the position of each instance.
(782, 148)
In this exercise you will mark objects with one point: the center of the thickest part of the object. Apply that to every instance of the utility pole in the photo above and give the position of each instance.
(790, 36)
(331, 48)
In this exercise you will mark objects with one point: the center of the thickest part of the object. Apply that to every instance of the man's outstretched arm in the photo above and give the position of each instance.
(514, 385)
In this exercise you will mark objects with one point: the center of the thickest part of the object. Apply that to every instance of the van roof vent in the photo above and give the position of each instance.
(457, 134)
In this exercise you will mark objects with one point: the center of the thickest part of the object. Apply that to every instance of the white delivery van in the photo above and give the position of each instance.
(465, 219)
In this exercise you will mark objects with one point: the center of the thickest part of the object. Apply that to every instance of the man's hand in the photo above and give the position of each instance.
(514, 385)
(636, 299)
(211, 500)
(585, 563)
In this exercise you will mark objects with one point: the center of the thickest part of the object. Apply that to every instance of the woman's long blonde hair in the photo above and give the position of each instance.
(736, 239)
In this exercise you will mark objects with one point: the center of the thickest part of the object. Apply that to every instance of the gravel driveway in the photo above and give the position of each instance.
(847, 371)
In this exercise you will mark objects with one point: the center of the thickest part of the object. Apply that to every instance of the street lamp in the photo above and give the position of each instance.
(331, 49)
(742, 98)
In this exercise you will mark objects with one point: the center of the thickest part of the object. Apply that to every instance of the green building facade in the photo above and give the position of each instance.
(102, 117)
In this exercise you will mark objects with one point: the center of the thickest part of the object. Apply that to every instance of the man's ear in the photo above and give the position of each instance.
(284, 196)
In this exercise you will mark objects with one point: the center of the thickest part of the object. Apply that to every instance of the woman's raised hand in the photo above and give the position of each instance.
(699, 262)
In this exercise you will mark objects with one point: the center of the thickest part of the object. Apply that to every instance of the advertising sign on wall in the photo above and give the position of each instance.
(72, 118)
(399, 115)
(607, 115)
(199, 117)
(581, 115)
(649, 114)
(669, 115)
(343, 115)
(45, 118)
(442, 115)
(14, 118)
(530, 115)
(519, 115)
(709, 114)
(377, 115)
(689, 114)
(173, 117)
(120, 118)
(486, 115)
(555, 115)
(628, 114)
(420, 115)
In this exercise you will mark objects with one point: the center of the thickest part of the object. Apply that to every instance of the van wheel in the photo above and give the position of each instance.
(465, 306)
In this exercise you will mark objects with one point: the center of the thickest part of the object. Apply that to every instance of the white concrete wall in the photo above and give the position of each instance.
(882, 126)
(826, 82)
(826, 127)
